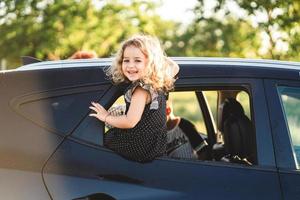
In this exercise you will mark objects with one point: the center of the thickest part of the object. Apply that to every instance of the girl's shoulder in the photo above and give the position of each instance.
(153, 93)
(131, 88)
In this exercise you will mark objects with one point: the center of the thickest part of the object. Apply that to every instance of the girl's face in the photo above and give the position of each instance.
(134, 63)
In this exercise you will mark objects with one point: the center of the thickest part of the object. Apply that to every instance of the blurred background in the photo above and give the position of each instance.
(55, 29)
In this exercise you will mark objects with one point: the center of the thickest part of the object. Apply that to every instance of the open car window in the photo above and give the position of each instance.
(223, 129)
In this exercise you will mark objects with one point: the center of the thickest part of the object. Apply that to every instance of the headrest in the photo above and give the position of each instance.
(230, 107)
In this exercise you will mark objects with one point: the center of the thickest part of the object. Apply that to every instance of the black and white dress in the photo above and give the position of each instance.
(147, 140)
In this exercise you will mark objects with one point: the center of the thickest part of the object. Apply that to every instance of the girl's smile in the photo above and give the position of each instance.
(134, 63)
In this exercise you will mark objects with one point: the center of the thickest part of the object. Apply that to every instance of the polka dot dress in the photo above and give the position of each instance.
(147, 140)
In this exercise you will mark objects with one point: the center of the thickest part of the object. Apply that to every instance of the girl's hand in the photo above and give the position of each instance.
(100, 114)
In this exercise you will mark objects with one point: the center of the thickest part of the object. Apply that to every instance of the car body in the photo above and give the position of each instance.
(51, 149)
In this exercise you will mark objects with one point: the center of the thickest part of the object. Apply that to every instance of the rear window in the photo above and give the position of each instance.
(57, 112)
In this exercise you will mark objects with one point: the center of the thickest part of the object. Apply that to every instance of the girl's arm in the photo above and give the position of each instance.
(138, 101)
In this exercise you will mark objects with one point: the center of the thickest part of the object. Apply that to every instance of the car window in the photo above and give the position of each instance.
(290, 99)
(57, 112)
(187, 105)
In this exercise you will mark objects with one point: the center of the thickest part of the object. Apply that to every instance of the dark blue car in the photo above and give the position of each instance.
(248, 112)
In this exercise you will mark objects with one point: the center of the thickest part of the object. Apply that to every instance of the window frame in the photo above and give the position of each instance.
(258, 106)
(208, 118)
(281, 136)
(288, 123)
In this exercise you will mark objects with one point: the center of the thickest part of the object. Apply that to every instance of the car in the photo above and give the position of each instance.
(248, 112)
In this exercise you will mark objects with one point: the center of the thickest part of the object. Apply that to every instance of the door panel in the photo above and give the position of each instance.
(91, 170)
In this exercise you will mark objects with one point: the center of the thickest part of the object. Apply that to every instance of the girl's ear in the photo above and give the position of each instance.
(174, 67)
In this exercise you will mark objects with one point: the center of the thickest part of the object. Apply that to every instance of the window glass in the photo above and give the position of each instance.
(59, 113)
(290, 98)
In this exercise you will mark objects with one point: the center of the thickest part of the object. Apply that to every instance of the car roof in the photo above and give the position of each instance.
(194, 67)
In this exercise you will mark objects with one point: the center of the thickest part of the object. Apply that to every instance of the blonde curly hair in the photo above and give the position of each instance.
(159, 69)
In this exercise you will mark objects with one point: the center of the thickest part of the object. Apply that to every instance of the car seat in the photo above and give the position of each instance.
(238, 133)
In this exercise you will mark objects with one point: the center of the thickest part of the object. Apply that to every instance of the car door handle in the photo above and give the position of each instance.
(119, 178)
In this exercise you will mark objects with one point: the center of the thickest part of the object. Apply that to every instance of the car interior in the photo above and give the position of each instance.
(238, 145)
(233, 139)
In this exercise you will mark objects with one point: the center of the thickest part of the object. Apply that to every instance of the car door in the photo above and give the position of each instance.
(284, 102)
(227, 180)
(84, 167)
(39, 108)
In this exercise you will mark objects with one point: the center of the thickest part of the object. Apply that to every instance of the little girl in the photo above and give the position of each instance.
(140, 134)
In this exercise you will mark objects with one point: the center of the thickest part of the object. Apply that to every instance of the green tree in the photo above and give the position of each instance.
(264, 29)
(280, 24)
(211, 37)
(54, 29)
(36, 28)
